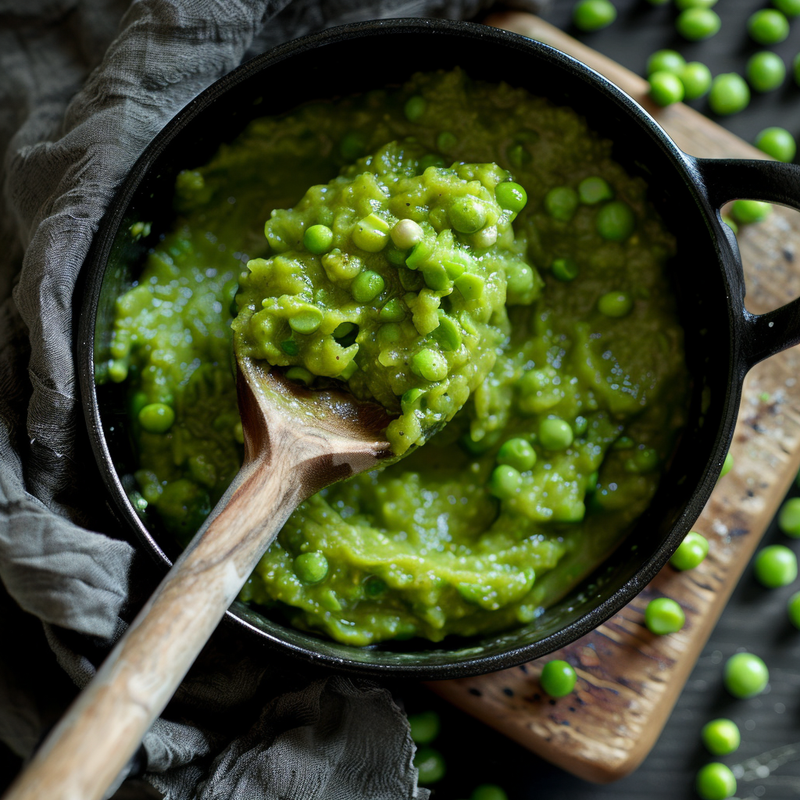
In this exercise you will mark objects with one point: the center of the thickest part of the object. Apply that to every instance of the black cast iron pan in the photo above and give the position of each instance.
(723, 340)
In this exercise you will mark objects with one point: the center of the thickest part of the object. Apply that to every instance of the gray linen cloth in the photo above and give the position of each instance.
(84, 86)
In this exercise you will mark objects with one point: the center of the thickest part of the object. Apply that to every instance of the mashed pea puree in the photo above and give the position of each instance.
(472, 258)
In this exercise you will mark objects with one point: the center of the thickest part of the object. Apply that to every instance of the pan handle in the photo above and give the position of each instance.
(774, 182)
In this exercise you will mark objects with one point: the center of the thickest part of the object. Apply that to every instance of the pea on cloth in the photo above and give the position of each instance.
(84, 87)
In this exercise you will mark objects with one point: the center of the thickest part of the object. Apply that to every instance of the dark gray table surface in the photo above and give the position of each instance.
(768, 761)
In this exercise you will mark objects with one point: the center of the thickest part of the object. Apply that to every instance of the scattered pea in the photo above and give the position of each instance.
(727, 465)
(666, 88)
(564, 269)
(793, 607)
(746, 675)
(696, 79)
(156, 417)
(691, 552)
(488, 791)
(665, 61)
(768, 26)
(467, 215)
(615, 304)
(778, 143)
(555, 434)
(511, 196)
(790, 8)
(695, 24)
(749, 211)
(353, 145)
(307, 320)
(448, 334)
(765, 71)
(311, 567)
(594, 190)
(424, 726)
(504, 481)
(561, 202)
(366, 286)
(729, 94)
(290, 347)
(470, 286)
(393, 311)
(663, 615)
(715, 781)
(430, 765)
(592, 15)
(446, 141)
(300, 374)
(682, 5)
(371, 233)
(775, 566)
(789, 517)
(721, 737)
(615, 221)
(414, 108)
(406, 233)
(558, 678)
(517, 453)
(318, 239)
(429, 364)
(796, 69)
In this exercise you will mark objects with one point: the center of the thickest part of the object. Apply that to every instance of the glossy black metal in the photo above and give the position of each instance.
(723, 340)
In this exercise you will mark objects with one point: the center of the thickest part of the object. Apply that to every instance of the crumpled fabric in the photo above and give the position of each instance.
(84, 86)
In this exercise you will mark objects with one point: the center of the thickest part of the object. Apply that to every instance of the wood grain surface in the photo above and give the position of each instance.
(629, 679)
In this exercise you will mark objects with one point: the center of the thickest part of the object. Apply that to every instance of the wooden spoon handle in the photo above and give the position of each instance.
(101, 731)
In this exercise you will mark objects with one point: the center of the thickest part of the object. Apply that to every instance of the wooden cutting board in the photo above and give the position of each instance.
(629, 679)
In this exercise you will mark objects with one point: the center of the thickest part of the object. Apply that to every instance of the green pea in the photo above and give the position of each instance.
(663, 615)
(558, 678)
(429, 364)
(504, 482)
(353, 145)
(517, 453)
(393, 311)
(594, 190)
(371, 233)
(448, 334)
(721, 737)
(778, 143)
(665, 61)
(790, 8)
(615, 304)
(488, 791)
(592, 15)
(695, 24)
(366, 286)
(745, 675)
(789, 517)
(446, 141)
(768, 26)
(519, 282)
(715, 781)
(430, 765)
(414, 108)
(431, 160)
(729, 94)
(666, 88)
(421, 253)
(615, 221)
(682, 5)
(470, 286)
(406, 233)
(696, 79)
(555, 434)
(643, 461)
(467, 215)
(318, 239)
(564, 269)
(510, 196)
(374, 586)
(765, 71)
(748, 211)
(793, 607)
(691, 552)
(307, 320)
(311, 567)
(775, 566)
(156, 417)
(561, 203)
(727, 465)
(424, 726)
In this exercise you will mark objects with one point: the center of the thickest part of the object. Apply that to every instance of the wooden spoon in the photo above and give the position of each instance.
(296, 442)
